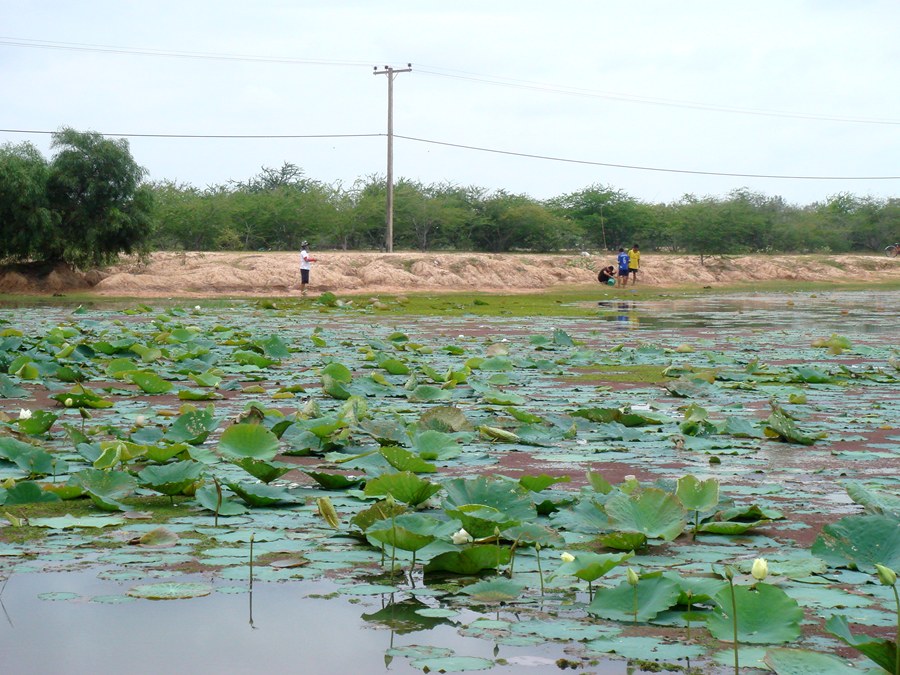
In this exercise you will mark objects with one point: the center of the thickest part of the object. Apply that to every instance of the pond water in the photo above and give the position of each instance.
(64, 597)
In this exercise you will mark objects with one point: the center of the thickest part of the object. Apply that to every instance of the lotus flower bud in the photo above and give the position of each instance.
(632, 577)
(566, 557)
(886, 575)
(760, 569)
(68, 403)
(729, 572)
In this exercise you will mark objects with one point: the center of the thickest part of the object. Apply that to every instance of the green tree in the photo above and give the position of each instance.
(26, 221)
(95, 189)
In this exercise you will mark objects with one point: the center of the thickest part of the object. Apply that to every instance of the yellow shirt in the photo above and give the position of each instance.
(634, 259)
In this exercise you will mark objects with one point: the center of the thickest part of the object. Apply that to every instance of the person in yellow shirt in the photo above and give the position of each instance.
(634, 263)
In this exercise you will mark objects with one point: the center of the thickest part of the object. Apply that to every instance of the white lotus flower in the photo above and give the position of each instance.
(565, 556)
(68, 403)
(760, 569)
(196, 308)
(461, 537)
(630, 478)
(24, 414)
(140, 420)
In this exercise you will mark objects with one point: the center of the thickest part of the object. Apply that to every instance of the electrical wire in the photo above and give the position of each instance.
(475, 148)
(444, 72)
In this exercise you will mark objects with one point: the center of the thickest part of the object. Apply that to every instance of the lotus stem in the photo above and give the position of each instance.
(537, 549)
(590, 591)
(393, 542)
(252, 534)
(512, 557)
(218, 499)
(634, 590)
(690, 597)
(734, 623)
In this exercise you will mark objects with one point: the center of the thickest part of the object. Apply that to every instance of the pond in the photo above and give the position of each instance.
(334, 441)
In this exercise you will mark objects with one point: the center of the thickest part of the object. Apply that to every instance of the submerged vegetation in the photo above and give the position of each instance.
(654, 489)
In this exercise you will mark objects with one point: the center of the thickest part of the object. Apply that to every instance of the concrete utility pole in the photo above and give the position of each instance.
(391, 74)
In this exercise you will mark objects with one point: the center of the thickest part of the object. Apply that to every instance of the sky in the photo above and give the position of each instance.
(650, 97)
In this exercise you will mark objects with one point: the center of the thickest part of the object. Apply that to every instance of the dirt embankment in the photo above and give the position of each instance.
(168, 274)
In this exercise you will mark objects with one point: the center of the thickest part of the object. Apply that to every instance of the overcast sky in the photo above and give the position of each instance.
(780, 87)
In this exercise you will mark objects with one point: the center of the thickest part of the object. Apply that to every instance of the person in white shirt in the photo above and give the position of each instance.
(305, 260)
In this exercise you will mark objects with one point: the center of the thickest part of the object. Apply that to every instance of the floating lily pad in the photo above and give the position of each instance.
(170, 591)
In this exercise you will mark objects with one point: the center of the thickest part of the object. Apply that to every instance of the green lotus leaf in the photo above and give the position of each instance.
(28, 492)
(334, 388)
(274, 346)
(541, 482)
(39, 423)
(697, 495)
(248, 440)
(193, 426)
(338, 372)
(378, 511)
(198, 395)
(404, 486)
(750, 513)
(248, 358)
(9, 389)
(163, 453)
(481, 521)
(652, 511)
(147, 354)
(208, 498)
(63, 491)
(170, 591)
(446, 418)
(171, 479)
(765, 615)
(533, 533)
(500, 435)
(782, 427)
(503, 494)
(262, 469)
(207, 379)
(471, 560)
(406, 617)
(801, 662)
(654, 595)
(404, 460)
(106, 488)
(159, 537)
(434, 445)
(452, 664)
(81, 397)
(258, 494)
(696, 589)
(859, 542)
(427, 393)
(729, 526)
(37, 462)
(68, 521)
(493, 590)
(591, 566)
(335, 481)
(877, 502)
(623, 540)
(881, 651)
(149, 382)
(408, 531)
(742, 428)
(394, 366)
(497, 397)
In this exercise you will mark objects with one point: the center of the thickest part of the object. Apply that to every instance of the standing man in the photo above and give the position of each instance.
(634, 263)
(623, 262)
(305, 260)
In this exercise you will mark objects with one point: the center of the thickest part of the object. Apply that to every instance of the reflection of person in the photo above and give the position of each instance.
(622, 260)
(607, 276)
(634, 263)
(305, 260)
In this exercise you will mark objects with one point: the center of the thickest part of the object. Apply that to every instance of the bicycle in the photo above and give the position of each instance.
(892, 251)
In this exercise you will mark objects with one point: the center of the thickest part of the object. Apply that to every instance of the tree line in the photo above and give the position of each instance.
(89, 202)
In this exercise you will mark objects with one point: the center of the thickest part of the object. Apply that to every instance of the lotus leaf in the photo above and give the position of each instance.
(652, 511)
(334, 388)
(9, 389)
(39, 422)
(163, 453)
(436, 445)
(249, 358)
(533, 533)
(68, 520)
(404, 486)
(378, 511)
(444, 418)
(171, 479)
(150, 382)
(493, 590)
(859, 542)
(427, 393)
(170, 591)
(471, 560)
(765, 615)
(782, 427)
(591, 566)
(248, 440)
(208, 498)
(730, 526)
(394, 366)
(654, 595)
(481, 521)
(408, 531)
(81, 397)
(876, 502)
(28, 492)
(106, 488)
(697, 495)
(881, 651)
(263, 470)
(259, 494)
(503, 494)
(541, 482)
(403, 460)
(334, 481)
(800, 662)
(623, 540)
(159, 537)
(193, 426)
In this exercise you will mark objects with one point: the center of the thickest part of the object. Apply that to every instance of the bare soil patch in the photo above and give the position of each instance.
(198, 274)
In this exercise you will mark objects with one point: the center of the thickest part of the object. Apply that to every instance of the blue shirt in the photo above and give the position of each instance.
(622, 258)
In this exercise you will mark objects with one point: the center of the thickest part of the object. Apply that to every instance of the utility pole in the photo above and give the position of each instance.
(389, 218)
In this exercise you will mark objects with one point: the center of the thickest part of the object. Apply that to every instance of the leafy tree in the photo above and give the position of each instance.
(94, 187)
(26, 221)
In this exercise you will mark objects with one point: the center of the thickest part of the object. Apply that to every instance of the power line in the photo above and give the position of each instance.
(448, 73)
(476, 148)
